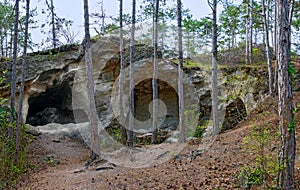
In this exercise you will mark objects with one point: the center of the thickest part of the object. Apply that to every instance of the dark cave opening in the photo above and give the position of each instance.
(143, 93)
(52, 106)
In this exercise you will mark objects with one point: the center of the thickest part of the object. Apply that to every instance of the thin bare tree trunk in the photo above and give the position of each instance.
(53, 24)
(247, 36)
(92, 114)
(2, 42)
(14, 68)
(163, 32)
(251, 33)
(154, 78)
(6, 45)
(214, 84)
(285, 105)
(102, 17)
(131, 85)
(275, 31)
(276, 28)
(153, 20)
(121, 76)
(272, 32)
(11, 41)
(232, 38)
(267, 43)
(180, 74)
(188, 47)
(19, 115)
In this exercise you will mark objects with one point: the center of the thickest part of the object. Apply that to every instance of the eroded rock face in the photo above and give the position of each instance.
(46, 75)
(235, 113)
(56, 88)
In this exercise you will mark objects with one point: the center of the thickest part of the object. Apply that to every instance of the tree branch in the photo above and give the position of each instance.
(291, 12)
(210, 4)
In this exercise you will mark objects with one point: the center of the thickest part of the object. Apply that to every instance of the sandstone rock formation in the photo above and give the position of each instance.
(55, 90)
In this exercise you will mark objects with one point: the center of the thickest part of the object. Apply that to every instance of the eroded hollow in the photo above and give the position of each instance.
(52, 106)
(143, 93)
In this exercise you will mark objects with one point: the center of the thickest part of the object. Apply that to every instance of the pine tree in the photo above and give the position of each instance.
(251, 33)
(14, 67)
(131, 85)
(180, 74)
(214, 84)
(267, 43)
(154, 78)
(92, 113)
(285, 104)
(51, 7)
(121, 76)
(20, 107)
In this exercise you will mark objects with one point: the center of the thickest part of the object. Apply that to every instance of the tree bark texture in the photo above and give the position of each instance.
(285, 106)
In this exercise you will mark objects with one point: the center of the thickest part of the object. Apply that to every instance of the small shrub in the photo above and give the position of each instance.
(8, 171)
(264, 168)
(200, 130)
(191, 120)
(251, 176)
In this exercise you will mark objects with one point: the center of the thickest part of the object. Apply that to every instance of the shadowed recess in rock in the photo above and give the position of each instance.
(143, 97)
(52, 106)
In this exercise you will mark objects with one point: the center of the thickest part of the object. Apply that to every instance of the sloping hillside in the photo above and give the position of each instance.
(59, 162)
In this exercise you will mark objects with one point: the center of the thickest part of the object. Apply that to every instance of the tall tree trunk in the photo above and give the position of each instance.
(92, 114)
(131, 85)
(102, 17)
(266, 28)
(255, 36)
(232, 39)
(276, 28)
(285, 105)
(272, 32)
(2, 42)
(6, 45)
(180, 74)
(11, 41)
(251, 33)
(214, 84)
(19, 115)
(121, 76)
(163, 32)
(153, 20)
(188, 46)
(53, 24)
(247, 35)
(154, 78)
(14, 68)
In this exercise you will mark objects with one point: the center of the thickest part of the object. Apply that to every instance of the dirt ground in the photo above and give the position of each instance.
(59, 162)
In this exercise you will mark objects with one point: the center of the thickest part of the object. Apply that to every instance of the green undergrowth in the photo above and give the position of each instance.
(262, 171)
(9, 172)
(190, 63)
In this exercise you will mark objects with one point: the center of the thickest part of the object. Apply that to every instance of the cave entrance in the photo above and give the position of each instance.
(52, 106)
(167, 94)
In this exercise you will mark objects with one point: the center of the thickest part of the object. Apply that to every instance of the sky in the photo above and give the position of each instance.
(73, 10)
